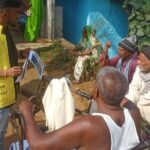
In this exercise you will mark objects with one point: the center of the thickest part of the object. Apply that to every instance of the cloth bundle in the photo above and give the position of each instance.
(58, 104)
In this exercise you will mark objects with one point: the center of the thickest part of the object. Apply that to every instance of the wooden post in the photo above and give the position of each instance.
(50, 18)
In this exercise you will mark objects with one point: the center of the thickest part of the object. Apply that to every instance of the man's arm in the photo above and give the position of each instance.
(104, 59)
(134, 87)
(135, 113)
(65, 138)
(11, 72)
(77, 134)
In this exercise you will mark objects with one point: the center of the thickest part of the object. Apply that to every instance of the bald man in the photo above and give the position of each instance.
(111, 127)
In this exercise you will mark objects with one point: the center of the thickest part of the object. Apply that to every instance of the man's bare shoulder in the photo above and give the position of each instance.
(89, 120)
(93, 124)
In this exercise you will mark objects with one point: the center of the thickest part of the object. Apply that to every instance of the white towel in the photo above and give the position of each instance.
(58, 104)
(79, 66)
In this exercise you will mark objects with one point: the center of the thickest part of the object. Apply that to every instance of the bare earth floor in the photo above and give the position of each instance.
(30, 83)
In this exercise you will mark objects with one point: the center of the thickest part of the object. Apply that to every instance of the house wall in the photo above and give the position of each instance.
(75, 13)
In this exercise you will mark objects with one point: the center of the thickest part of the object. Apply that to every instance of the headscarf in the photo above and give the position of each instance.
(87, 32)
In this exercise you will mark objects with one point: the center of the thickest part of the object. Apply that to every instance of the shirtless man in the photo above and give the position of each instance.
(112, 127)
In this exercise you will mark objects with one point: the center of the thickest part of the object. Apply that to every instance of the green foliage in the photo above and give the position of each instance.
(139, 20)
(55, 57)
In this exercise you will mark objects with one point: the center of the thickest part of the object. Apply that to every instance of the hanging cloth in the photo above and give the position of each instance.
(33, 25)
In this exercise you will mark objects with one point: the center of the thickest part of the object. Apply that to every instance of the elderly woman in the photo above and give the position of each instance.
(88, 54)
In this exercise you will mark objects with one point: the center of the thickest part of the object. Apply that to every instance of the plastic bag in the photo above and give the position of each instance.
(15, 146)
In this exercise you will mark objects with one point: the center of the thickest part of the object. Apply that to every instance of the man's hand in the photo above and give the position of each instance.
(26, 107)
(107, 45)
(14, 71)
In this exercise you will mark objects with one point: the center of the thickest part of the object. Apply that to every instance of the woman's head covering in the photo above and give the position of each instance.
(129, 44)
(88, 31)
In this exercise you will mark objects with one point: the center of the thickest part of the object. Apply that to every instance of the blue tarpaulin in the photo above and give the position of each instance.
(104, 31)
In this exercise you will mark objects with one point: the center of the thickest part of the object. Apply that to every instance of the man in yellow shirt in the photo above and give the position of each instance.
(9, 68)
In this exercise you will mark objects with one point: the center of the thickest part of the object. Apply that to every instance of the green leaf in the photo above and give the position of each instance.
(132, 15)
(136, 3)
(139, 20)
(145, 41)
(147, 17)
(147, 30)
(140, 32)
(144, 23)
(140, 17)
(146, 7)
(133, 31)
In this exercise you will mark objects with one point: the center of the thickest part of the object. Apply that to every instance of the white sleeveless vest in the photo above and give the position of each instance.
(122, 138)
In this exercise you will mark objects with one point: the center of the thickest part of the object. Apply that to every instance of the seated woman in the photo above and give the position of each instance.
(87, 55)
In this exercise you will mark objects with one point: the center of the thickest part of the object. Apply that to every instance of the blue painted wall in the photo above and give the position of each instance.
(76, 12)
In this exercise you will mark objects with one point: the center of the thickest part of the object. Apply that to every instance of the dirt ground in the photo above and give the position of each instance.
(30, 83)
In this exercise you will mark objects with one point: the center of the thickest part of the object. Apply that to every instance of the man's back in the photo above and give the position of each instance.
(85, 133)
(123, 136)
(90, 132)
(123, 125)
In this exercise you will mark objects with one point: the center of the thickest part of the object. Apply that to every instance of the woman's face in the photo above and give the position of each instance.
(144, 63)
